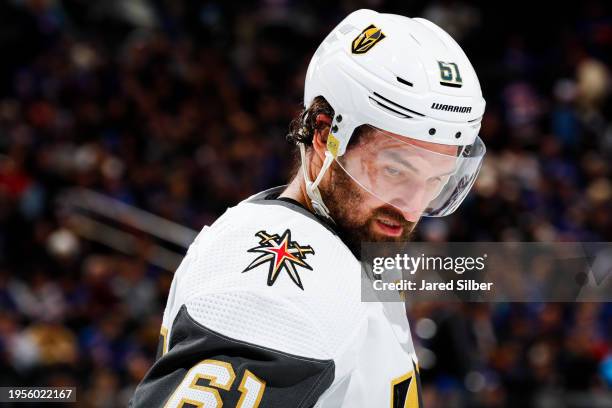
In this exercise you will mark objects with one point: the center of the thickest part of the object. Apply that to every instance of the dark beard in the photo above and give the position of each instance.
(343, 196)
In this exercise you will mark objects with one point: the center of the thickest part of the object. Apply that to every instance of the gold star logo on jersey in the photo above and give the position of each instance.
(280, 252)
(369, 37)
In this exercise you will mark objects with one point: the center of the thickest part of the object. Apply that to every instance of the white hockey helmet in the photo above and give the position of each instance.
(410, 81)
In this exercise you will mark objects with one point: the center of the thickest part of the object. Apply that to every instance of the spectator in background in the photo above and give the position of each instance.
(179, 108)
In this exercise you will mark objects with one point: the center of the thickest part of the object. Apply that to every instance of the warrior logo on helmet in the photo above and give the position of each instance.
(369, 37)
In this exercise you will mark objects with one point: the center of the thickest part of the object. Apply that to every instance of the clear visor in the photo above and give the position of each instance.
(416, 177)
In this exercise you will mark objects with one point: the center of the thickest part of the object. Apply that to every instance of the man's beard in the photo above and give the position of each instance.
(343, 197)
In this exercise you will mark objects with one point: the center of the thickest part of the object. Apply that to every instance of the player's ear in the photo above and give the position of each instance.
(319, 139)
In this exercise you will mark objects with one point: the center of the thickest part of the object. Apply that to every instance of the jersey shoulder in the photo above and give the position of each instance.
(271, 244)
(270, 273)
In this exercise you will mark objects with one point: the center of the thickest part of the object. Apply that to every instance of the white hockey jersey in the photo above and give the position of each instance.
(265, 311)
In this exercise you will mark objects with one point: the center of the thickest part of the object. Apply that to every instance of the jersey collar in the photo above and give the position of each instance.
(271, 197)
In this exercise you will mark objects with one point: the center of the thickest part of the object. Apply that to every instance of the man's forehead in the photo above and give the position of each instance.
(382, 138)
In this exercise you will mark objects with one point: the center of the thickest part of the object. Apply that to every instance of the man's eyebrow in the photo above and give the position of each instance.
(399, 159)
(395, 156)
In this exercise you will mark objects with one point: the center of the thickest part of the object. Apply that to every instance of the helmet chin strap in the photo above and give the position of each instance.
(312, 187)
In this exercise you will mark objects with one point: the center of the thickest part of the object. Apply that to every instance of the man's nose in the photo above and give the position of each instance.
(411, 204)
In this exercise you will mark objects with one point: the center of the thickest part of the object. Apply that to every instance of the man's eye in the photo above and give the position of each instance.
(392, 171)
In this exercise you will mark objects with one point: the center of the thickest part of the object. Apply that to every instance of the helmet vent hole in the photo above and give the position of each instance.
(457, 135)
(450, 84)
(432, 131)
(403, 81)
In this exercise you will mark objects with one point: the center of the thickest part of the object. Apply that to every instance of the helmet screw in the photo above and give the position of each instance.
(457, 135)
(339, 118)
(335, 128)
(432, 131)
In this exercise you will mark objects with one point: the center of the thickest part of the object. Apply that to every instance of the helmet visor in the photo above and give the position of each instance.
(416, 177)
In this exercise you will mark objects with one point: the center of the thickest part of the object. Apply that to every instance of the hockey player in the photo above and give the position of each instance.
(265, 309)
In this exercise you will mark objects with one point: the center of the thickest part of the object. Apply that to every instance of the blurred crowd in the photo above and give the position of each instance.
(180, 108)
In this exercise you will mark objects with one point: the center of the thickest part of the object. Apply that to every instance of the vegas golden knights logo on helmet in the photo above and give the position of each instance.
(367, 39)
